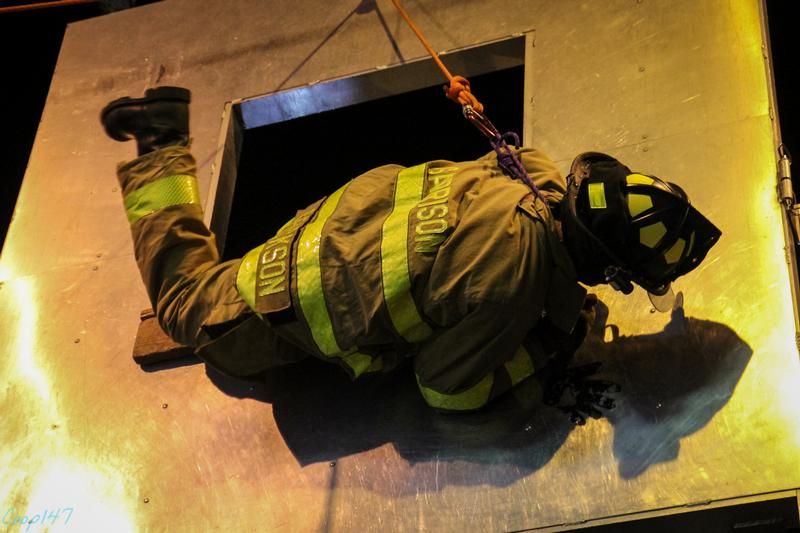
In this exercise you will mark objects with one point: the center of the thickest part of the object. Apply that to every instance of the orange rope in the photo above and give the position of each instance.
(459, 90)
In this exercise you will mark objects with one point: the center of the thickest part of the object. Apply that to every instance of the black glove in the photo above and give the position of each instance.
(555, 340)
(570, 391)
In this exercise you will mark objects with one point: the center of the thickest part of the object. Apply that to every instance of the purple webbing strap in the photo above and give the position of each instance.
(510, 163)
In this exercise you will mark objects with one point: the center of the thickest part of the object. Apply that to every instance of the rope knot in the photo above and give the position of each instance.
(459, 92)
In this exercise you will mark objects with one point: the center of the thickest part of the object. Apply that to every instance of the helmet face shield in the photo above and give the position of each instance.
(647, 227)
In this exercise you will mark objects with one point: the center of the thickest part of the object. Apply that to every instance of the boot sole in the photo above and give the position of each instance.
(156, 94)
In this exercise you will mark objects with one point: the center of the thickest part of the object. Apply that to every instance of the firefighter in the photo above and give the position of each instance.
(453, 266)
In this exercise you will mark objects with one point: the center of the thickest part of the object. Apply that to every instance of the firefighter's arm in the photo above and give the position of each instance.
(176, 253)
(467, 364)
(572, 389)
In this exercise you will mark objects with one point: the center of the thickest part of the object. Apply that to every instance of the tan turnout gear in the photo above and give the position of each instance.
(452, 264)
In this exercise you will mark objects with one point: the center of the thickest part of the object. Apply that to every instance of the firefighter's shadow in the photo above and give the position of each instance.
(673, 383)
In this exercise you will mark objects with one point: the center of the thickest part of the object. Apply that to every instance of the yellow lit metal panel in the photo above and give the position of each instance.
(710, 407)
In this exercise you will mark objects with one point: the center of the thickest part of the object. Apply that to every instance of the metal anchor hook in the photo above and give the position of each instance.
(480, 121)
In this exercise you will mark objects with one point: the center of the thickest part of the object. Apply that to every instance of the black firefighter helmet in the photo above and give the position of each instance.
(629, 227)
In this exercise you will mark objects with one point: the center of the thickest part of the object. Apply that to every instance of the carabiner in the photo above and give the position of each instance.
(480, 121)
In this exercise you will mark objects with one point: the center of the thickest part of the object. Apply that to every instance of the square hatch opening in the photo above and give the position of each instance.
(285, 150)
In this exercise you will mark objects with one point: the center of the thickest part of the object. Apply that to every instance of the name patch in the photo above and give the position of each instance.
(431, 216)
(273, 272)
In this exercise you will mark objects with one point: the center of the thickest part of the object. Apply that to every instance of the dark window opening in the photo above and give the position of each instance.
(288, 165)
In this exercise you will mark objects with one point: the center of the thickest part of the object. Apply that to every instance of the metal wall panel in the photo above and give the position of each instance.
(710, 407)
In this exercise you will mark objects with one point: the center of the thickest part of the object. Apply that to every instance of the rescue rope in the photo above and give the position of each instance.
(459, 92)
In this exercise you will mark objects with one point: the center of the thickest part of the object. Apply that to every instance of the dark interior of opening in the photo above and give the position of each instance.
(287, 166)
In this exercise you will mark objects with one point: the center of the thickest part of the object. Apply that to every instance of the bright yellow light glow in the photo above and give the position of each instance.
(747, 19)
(16, 464)
(94, 498)
(24, 299)
(52, 475)
(5, 274)
(10, 476)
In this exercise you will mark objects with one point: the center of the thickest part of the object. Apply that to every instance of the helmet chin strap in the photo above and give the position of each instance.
(662, 299)
(613, 274)
(618, 279)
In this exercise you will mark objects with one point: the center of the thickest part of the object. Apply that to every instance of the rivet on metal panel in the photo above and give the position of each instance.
(164, 406)
(644, 136)
(642, 69)
(332, 464)
(76, 341)
(652, 310)
(146, 500)
(645, 149)
(95, 268)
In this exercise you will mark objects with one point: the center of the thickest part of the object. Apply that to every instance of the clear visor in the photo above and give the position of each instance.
(663, 303)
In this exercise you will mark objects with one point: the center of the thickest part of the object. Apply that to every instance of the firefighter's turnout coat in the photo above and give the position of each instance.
(451, 264)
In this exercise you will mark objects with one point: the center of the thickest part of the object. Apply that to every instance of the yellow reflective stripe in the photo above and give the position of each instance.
(520, 366)
(310, 292)
(597, 196)
(246, 276)
(309, 279)
(394, 257)
(651, 235)
(377, 365)
(164, 192)
(639, 179)
(639, 203)
(358, 362)
(472, 398)
(674, 254)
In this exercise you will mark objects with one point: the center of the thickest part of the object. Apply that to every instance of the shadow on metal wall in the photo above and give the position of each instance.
(673, 383)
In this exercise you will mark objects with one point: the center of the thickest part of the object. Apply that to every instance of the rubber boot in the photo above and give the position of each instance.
(158, 120)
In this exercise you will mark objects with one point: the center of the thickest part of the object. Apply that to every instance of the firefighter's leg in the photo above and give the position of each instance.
(193, 294)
